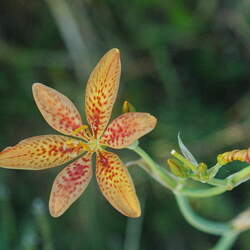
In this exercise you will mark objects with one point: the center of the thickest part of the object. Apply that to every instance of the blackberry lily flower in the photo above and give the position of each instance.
(47, 151)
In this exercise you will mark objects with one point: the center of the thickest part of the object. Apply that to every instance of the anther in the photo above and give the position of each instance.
(81, 128)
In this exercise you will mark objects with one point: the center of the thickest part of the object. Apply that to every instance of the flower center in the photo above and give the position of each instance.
(82, 131)
(93, 145)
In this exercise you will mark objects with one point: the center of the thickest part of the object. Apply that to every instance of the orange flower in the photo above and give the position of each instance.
(47, 151)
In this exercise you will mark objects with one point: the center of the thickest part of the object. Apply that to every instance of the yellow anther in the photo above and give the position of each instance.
(81, 128)
(84, 146)
(69, 142)
(74, 145)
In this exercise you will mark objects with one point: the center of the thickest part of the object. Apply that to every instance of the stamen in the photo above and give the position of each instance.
(76, 131)
(84, 146)
(68, 144)
(88, 133)
(83, 128)
(75, 146)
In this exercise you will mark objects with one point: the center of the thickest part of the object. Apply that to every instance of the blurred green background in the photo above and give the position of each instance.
(185, 61)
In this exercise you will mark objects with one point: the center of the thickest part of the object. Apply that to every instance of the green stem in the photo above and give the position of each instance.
(226, 230)
(214, 170)
(199, 222)
(157, 172)
(239, 177)
(165, 178)
(217, 182)
(162, 176)
(226, 241)
(204, 192)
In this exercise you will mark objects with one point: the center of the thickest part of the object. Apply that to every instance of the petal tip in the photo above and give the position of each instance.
(135, 213)
(55, 210)
(115, 51)
(37, 85)
(55, 214)
(152, 120)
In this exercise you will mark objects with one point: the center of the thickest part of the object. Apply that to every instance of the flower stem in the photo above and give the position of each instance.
(226, 241)
(202, 192)
(199, 222)
(214, 170)
(157, 172)
(181, 191)
(239, 177)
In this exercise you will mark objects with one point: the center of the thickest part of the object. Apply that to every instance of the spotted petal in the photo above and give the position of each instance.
(101, 91)
(40, 152)
(69, 184)
(127, 128)
(116, 184)
(59, 112)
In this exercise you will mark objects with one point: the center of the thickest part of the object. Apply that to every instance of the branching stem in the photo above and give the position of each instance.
(181, 191)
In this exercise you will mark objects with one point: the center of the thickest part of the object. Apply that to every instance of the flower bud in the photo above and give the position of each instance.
(128, 107)
(176, 169)
(234, 155)
(202, 168)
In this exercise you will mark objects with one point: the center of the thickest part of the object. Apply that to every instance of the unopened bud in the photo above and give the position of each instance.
(128, 107)
(176, 169)
(234, 155)
(202, 168)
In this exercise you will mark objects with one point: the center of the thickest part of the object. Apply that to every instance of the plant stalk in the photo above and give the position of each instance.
(226, 241)
(198, 222)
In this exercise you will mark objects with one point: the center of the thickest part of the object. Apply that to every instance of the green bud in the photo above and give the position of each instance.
(128, 107)
(176, 169)
(202, 172)
(202, 167)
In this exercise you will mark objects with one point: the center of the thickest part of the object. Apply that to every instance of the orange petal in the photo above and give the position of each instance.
(59, 112)
(116, 184)
(101, 91)
(69, 184)
(40, 152)
(127, 128)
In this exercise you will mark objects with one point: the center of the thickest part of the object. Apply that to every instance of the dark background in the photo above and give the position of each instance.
(185, 61)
